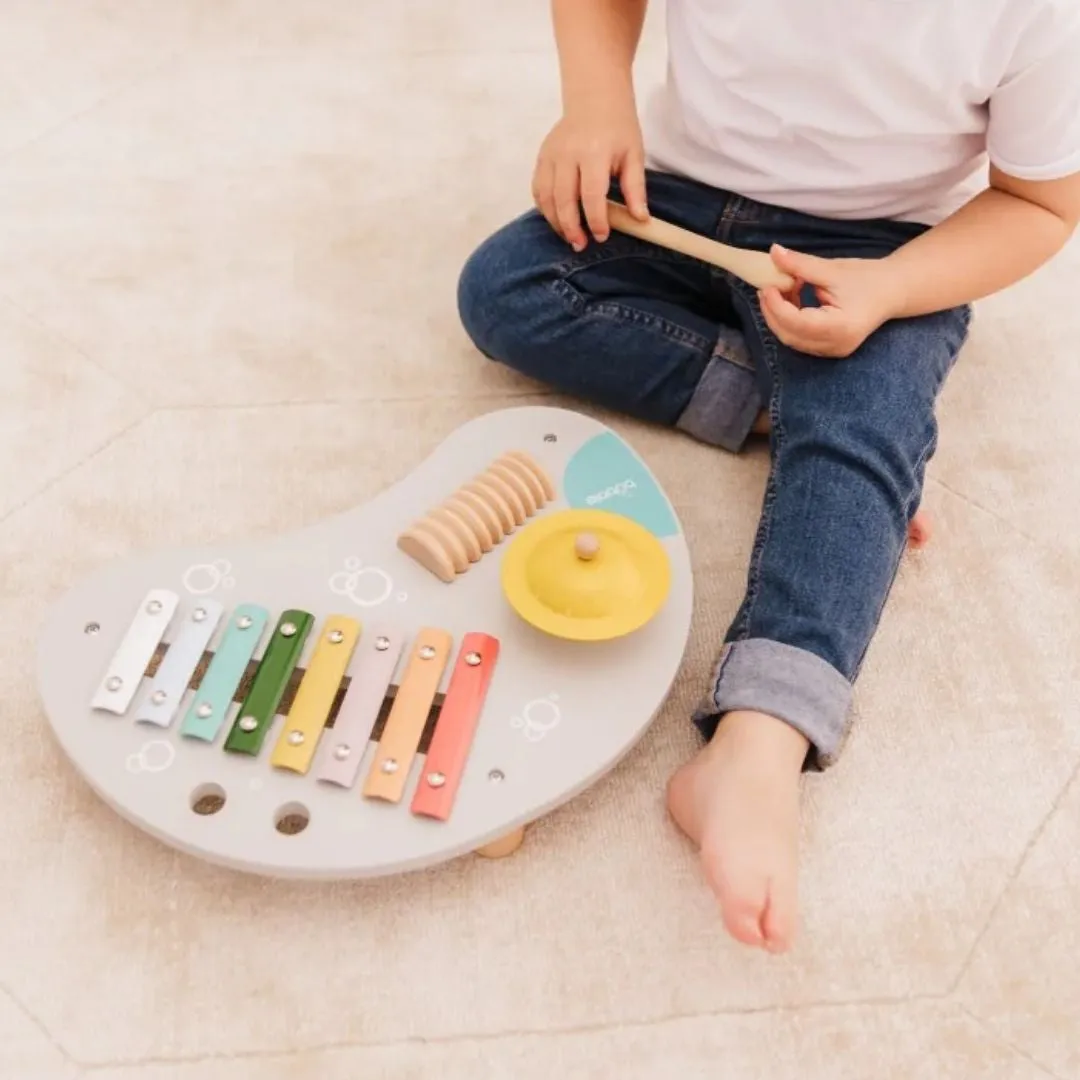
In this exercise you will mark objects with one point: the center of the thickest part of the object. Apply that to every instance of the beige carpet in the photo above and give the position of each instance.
(229, 238)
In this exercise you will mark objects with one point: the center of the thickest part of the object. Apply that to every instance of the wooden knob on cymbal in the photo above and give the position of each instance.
(586, 546)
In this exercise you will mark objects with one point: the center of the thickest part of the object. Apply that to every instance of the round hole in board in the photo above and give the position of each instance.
(91, 628)
(207, 799)
(292, 818)
(551, 437)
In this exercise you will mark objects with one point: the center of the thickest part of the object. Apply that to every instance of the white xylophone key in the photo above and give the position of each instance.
(128, 665)
(171, 681)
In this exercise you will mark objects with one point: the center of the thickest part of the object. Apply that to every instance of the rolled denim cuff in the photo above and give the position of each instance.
(782, 681)
(726, 401)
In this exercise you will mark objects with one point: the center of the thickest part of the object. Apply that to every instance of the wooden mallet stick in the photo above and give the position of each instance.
(754, 267)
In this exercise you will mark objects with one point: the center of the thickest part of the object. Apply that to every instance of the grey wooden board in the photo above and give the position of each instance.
(558, 716)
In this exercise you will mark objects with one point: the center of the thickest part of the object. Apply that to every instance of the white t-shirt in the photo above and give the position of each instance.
(867, 108)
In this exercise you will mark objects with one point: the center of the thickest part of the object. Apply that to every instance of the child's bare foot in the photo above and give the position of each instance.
(919, 531)
(738, 800)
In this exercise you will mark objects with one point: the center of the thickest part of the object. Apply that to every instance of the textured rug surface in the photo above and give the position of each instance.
(230, 233)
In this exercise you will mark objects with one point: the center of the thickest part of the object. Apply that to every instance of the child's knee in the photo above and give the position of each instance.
(480, 291)
(496, 288)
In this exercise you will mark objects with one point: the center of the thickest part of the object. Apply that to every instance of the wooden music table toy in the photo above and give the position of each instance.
(407, 682)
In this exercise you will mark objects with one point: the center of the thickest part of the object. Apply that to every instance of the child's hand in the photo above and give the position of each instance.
(577, 160)
(857, 296)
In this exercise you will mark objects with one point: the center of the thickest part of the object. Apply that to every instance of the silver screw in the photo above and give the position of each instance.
(296, 738)
(91, 628)
(248, 723)
(341, 751)
(382, 644)
(244, 622)
(204, 711)
(389, 766)
(436, 779)
(153, 607)
(114, 683)
(158, 697)
(335, 637)
(288, 629)
(473, 659)
(496, 776)
(426, 653)
(199, 614)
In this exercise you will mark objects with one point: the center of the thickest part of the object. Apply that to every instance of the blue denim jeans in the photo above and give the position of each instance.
(664, 338)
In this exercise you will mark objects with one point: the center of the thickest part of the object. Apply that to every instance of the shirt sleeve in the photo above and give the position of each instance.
(1034, 125)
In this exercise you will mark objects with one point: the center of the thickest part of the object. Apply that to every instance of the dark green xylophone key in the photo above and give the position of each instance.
(256, 715)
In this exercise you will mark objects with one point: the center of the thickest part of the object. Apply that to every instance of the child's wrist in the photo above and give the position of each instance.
(895, 286)
(599, 99)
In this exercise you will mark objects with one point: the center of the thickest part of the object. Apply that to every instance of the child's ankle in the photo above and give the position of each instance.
(759, 733)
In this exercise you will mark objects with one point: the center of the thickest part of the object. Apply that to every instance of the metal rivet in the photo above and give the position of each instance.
(199, 614)
(551, 438)
(335, 637)
(248, 723)
(382, 644)
(342, 751)
(288, 629)
(296, 738)
(153, 607)
(204, 711)
(158, 697)
(496, 776)
(473, 659)
(436, 779)
(390, 766)
(91, 628)
(426, 653)
(244, 622)
(114, 683)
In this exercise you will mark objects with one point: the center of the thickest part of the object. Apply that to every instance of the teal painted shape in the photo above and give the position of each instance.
(223, 676)
(605, 474)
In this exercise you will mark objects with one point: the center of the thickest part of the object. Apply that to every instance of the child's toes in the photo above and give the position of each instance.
(780, 919)
(743, 900)
(920, 530)
(743, 922)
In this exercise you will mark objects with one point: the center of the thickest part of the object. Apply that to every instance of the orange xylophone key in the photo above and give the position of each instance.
(408, 716)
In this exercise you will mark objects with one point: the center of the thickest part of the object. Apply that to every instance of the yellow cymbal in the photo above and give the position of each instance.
(586, 575)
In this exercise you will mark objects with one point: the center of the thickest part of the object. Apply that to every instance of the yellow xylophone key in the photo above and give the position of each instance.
(408, 715)
(315, 696)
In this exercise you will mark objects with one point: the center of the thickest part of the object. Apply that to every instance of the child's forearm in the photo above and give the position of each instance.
(999, 237)
(597, 40)
(991, 243)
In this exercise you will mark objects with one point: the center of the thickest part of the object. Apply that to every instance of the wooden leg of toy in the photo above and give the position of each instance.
(506, 845)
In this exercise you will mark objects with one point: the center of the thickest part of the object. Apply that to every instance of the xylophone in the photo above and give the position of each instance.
(407, 682)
